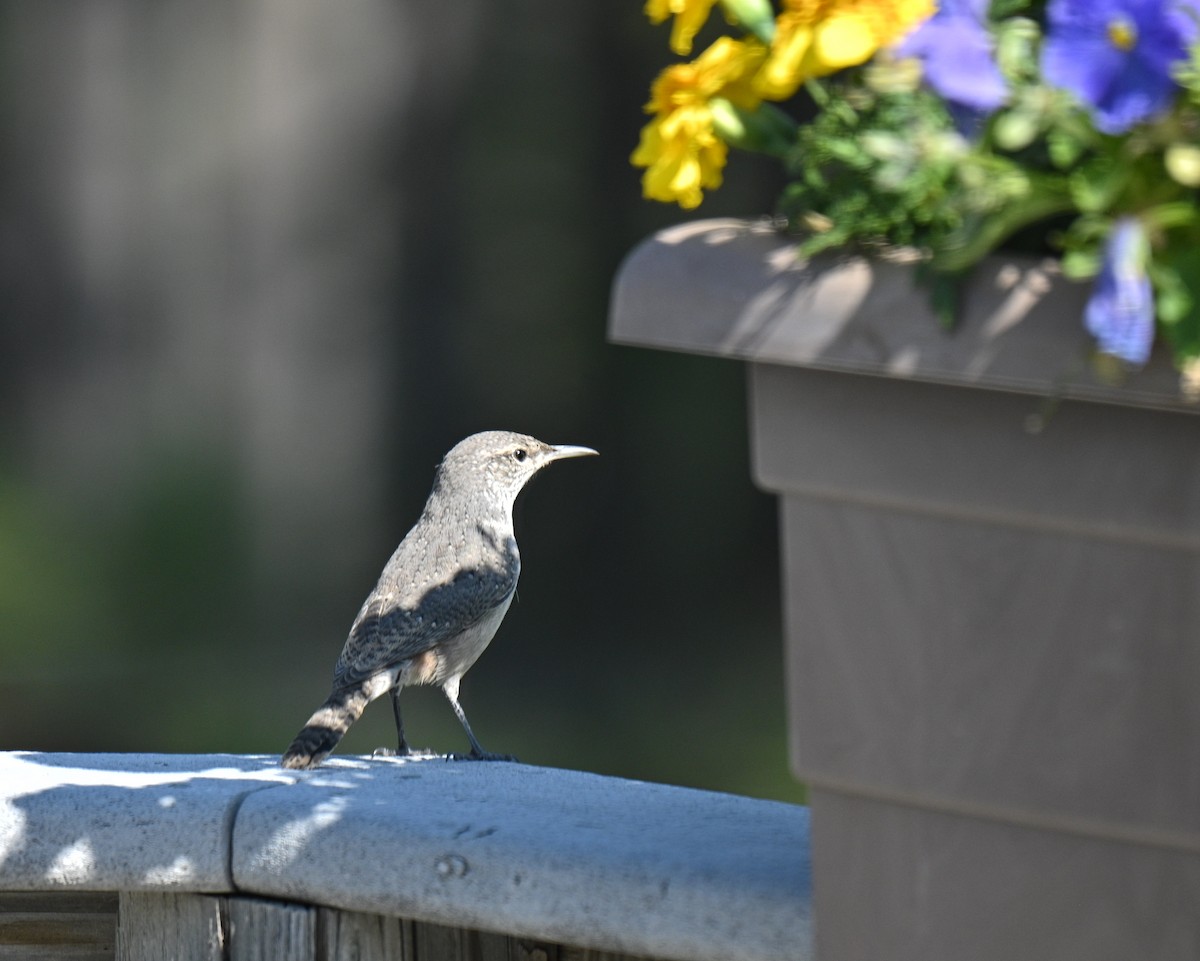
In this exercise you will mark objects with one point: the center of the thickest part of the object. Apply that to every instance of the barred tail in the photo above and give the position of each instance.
(325, 728)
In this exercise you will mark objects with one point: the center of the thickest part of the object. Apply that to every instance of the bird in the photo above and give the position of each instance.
(440, 598)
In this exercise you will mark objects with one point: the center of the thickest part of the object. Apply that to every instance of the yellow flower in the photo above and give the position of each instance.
(690, 16)
(681, 151)
(818, 37)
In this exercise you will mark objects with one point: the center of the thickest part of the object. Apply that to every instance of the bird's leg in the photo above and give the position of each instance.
(402, 748)
(401, 744)
(450, 689)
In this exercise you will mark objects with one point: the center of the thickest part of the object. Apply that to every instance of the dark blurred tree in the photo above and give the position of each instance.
(261, 265)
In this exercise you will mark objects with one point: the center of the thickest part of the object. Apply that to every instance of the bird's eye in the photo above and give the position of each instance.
(520, 453)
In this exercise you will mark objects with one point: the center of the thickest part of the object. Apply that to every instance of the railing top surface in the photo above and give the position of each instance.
(596, 861)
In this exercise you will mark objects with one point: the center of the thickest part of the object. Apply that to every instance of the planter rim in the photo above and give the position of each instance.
(737, 288)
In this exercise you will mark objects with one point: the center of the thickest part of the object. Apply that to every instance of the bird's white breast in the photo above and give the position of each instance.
(456, 654)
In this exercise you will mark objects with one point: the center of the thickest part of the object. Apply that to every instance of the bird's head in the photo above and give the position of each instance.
(500, 463)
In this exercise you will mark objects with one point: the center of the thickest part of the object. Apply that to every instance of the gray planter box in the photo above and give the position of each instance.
(993, 633)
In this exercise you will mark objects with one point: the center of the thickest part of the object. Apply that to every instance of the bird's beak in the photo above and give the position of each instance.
(566, 450)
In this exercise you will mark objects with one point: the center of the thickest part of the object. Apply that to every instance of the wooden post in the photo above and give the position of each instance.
(154, 926)
(74, 926)
(199, 927)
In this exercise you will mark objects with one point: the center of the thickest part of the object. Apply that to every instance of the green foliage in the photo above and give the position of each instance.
(884, 163)
(873, 169)
(884, 166)
(1176, 277)
(961, 130)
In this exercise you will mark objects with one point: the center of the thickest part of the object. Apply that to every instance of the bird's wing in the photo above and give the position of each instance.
(392, 626)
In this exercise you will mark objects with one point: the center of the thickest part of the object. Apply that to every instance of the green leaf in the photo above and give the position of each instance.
(1003, 9)
(1172, 299)
(1063, 148)
(945, 293)
(1045, 197)
(1016, 129)
(765, 130)
(1172, 216)
(1016, 48)
(757, 16)
(1081, 264)
(1096, 186)
(1175, 273)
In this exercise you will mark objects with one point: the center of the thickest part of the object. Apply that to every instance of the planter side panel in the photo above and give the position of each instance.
(1100, 469)
(982, 649)
(993, 667)
(898, 883)
(993, 649)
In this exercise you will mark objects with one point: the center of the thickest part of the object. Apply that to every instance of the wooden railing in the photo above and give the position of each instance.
(151, 857)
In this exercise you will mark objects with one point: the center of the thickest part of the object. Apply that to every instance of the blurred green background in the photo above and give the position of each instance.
(263, 263)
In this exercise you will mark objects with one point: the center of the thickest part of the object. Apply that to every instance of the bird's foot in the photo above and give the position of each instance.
(412, 753)
(481, 756)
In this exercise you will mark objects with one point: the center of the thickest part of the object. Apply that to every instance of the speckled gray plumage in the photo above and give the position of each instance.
(442, 594)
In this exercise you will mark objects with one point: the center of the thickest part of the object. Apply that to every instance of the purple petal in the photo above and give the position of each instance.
(1122, 83)
(956, 54)
(1120, 313)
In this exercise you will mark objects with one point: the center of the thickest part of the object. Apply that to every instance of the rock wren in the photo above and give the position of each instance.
(442, 595)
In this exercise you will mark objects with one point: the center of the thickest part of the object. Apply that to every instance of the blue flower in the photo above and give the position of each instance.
(955, 50)
(1116, 56)
(1120, 313)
